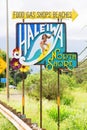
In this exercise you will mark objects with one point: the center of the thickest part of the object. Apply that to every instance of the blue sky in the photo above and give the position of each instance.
(76, 30)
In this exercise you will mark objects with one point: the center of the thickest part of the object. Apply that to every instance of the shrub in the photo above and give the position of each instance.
(49, 85)
(77, 122)
(67, 99)
(53, 113)
(64, 113)
(84, 85)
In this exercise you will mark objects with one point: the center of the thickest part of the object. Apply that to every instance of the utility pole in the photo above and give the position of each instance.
(7, 51)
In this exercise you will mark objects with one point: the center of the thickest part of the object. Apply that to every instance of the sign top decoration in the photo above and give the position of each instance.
(45, 14)
(44, 43)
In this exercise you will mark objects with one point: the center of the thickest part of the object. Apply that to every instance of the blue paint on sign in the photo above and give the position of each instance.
(3, 80)
(44, 43)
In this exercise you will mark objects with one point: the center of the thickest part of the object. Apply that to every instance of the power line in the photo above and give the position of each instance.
(82, 51)
(83, 60)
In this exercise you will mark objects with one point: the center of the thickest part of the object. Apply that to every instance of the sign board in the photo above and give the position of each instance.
(2, 65)
(44, 43)
(3, 80)
(45, 14)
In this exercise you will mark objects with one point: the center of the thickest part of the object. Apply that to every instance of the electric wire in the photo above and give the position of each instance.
(82, 51)
(83, 60)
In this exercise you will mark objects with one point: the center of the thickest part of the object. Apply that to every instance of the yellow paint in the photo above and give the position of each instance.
(74, 15)
(45, 14)
(23, 101)
(44, 53)
(2, 65)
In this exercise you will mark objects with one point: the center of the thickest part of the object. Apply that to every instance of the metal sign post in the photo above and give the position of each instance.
(40, 96)
(58, 100)
(23, 95)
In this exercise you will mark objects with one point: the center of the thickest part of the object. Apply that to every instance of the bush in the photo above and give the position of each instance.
(84, 85)
(67, 99)
(77, 121)
(69, 80)
(64, 113)
(53, 113)
(49, 85)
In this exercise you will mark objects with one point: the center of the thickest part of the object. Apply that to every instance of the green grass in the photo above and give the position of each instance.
(32, 109)
(78, 118)
(73, 115)
(5, 124)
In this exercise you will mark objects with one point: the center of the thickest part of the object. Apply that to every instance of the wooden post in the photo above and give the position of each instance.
(40, 96)
(23, 89)
(7, 52)
(58, 100)
(23, 95)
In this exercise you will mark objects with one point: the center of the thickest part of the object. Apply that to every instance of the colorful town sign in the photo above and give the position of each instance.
(2, 65)
(45, 14)
(44, 43)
